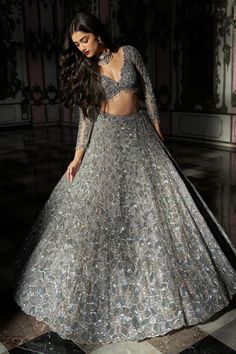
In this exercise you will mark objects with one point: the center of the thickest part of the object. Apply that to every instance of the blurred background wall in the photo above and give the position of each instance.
(189, 49)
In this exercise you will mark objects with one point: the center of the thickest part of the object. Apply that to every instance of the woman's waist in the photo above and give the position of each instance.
(124, 103)
(122, 117)
(121, 129)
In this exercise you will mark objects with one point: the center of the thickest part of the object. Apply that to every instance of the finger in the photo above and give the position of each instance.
(71, 177)
(67, 174)
(72, 174)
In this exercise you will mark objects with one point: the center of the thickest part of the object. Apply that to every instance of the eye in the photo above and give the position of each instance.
(85, 40)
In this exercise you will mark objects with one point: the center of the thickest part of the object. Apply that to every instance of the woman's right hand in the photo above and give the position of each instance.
(72, 170)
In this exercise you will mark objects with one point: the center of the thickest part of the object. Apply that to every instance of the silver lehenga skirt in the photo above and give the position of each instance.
(129, 249)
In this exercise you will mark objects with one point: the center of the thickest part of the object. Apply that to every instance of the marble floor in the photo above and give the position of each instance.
(32, 161)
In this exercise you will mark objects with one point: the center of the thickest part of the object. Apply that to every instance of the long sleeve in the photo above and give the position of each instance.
(84, 131)
(150, 99)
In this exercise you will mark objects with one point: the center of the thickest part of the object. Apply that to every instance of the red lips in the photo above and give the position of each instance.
(87, 52)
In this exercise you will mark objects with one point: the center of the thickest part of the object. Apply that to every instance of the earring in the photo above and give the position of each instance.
(99, 40)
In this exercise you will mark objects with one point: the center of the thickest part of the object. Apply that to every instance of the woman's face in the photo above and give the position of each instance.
(87, 43)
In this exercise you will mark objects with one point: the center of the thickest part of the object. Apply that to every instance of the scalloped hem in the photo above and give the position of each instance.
(130, 339)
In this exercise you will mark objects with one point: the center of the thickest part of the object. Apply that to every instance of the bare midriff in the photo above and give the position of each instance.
(124, 103)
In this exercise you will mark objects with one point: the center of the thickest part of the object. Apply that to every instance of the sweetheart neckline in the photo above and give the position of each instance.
(121, 70)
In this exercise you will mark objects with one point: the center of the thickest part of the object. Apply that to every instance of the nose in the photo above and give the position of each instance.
(83, 48)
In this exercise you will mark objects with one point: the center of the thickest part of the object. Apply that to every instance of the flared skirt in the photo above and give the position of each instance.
(129, 249)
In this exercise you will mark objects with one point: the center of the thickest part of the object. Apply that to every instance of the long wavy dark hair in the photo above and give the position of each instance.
(79, 78)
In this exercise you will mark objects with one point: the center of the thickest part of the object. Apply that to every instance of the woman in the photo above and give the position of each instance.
(125, 248)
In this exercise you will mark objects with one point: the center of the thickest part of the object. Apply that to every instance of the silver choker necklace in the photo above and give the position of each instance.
(104, 58)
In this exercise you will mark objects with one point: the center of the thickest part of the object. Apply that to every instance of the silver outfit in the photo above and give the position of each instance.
(129, 249)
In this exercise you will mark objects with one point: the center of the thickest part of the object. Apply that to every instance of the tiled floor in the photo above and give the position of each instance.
(32, 161)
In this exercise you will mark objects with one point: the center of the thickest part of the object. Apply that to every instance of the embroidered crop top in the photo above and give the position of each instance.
(132, 73)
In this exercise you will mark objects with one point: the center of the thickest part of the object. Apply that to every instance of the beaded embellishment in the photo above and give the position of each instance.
(105, 58)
